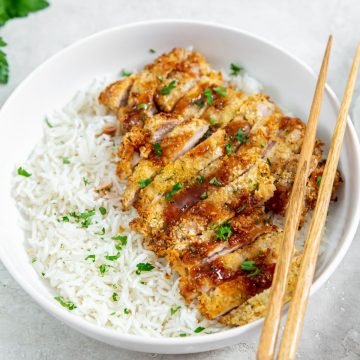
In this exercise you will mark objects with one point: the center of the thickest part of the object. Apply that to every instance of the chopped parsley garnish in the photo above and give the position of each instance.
(204, 195)
(121, 238)
(262, 145)
(215, 181)
(153, 51)
(235, 69)
(173, 311)
(144, 182)
(182, 334)
(65, 303)
(241, 136)
(199, 329)
(85, 181)
(125, 72)
(103, 268)
(166, 89)
(66, 160)
(4, 65)
(318, 180)
(223, 231)
(248, 265)
(240, 209)
(200, 103)
(112, 257)
(102, 210)
(200, 179)
(33, 260)
(114, 296)
(142, 106)
(21, 171)
(48, 123)
(177, 187)
(90, 257)
(85, 217)
(160, 78)
(268, 161)
(126, 311)
(208, 96)
(220, 91)
(143, 267)
(65, 219)
(213, 121)
(101, 233)
(229, 149)
(157, 149)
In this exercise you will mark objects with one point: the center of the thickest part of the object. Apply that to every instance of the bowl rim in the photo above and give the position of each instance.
(87, 327)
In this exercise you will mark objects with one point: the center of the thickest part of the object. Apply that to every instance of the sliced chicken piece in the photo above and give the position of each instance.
(117, 93)
(171, 147)
(141, 97)
(255, 307)
(181, 79)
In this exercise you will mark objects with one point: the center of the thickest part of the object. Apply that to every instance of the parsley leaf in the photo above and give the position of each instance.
(199, 329)
(229, 149)
(48, 123)
(157, 148)
(220, 91)
(144, 182)
(248, 265)
(166, 89)
(241, 136)
(121, 238)
(152, 51)
(112, 257)
(144, 267)
(23, 172)
(65, 303)
(215, 181)
(142, 106)
(103, 268)
(91, 257)
(4, 65)
(240, 209)
(126, 311)
(318, 180)
(66, 160)
(235, 69)
(114, 296)
(213, 121)
(177, 187)
(102, 210)
(200, 179)
(204, 195)
(208, 96)
(223, 231)
(173, 311)
(125, 72)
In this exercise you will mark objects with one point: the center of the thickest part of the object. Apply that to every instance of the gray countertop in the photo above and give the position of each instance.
(332, 324)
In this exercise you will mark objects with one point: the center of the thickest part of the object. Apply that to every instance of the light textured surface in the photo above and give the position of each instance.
(332, 325)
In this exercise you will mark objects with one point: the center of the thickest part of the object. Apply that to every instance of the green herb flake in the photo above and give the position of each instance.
(4, 65)
(65, 303)
(121, 238)
(173, 311)
(65, 219)
(101, 233)
(48, 123)
(262, 145)
(90, 257)
(215, 181)
(144, 182)
(114, 296)
(125, 72)
(177, 187)
(85, 181)
(249, 266)
(213, 121)
(220, 91)
(268, 161)
(126, 311)
(166, 89)
(144, 267)
(204, 195)
(199, 102)
(241, 209)
(160, 78)
(235, 69)
(318, 180)
(21, 171)
(209, 96)
(229, 149)
(103, 268)
(241, 136)
(33, 260)
(102, 210)
(66, 160)
(112, 257)
(182, 334)
(152, 51)
(200, 179)
(223, 231)
(199, 329)
(142, 106)
(157, 149)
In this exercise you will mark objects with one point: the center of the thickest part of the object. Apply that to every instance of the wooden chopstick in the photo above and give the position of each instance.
(270, 329)
(295, 319)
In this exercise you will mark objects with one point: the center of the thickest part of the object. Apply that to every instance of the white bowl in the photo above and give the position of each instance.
(289, 81)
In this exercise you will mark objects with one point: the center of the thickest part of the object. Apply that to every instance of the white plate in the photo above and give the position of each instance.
(289, 81)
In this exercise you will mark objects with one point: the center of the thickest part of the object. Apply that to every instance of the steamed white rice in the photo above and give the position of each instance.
(66, 166)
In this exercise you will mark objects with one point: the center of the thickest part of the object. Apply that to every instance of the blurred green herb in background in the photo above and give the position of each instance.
(10, 9)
